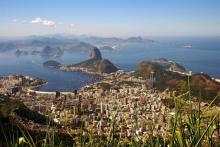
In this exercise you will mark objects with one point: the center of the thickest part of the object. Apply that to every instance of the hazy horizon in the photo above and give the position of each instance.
(110, 18)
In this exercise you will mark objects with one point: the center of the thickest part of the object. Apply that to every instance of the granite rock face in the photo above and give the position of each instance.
(95, 54)
(105, 66)
(95, 64)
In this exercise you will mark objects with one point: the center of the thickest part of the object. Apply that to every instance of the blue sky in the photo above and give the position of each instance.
(110, 17)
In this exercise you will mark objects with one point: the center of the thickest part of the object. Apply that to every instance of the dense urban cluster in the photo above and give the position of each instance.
(120, 99)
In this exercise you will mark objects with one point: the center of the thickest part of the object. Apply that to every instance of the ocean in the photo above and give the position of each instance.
(204, 56)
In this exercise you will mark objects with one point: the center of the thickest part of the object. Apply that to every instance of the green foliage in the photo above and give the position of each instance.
(169, 103)
(197, 89)
(88, 63)
(8, 106)
(104, 86)
(130, 83)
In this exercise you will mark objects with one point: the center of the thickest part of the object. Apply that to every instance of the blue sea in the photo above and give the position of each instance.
(204, 56)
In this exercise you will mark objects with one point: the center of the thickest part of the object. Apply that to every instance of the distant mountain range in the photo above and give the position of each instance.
(65, 43)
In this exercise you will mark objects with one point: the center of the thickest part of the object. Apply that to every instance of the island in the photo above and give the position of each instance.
(52, 63)
(20, 52)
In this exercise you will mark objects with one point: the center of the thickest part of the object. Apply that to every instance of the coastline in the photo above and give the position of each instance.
(79, 69)
(48, 92)
(187, 74)
(31, 89)
(216, 79)
(102, 75)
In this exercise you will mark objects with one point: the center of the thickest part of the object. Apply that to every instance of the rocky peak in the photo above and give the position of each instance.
(95, 54)
(105, 66)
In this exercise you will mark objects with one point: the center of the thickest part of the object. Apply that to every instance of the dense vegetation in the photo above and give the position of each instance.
(52, 63)
(104, 86)
(202, 85)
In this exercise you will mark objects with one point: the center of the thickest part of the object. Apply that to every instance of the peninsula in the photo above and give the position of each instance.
(94, 65)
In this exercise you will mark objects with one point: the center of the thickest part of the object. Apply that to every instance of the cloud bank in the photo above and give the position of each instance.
(44, 22)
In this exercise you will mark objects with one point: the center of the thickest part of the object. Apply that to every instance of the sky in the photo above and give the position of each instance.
(110, 17)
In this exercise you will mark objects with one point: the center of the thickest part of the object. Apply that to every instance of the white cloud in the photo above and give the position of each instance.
(14, 20)
(44, 22)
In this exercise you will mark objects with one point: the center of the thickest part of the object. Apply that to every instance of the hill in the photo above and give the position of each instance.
(162, 76)
(175, 67)
(17, 120)
(199, 83)
(52, 63)
(49, 51)
(95, 64)
(170, 65)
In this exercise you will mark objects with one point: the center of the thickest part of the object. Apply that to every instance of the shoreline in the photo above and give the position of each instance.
(69, 92)
(31, 89)
(187, 74)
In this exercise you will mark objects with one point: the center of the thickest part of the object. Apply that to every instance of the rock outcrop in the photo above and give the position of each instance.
(105, 66)
(95, 64)
(176, 67)
(95, 54)
(170, 65)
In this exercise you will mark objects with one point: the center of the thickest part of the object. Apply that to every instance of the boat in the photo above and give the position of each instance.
(188, 46)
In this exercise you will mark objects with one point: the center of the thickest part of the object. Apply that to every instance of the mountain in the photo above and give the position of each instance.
(170, 65)
(146, 68)
(101, 41)
(109, 41)
(134, 39)
(79, 46)
(203, 84)
(95, 54)
(108, 48)
(175, 67)
(199, 83)
(49, 51)
(105, 66)
(69, 43)
(95, 64)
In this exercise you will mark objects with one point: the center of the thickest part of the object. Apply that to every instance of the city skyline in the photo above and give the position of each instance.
(110, 18)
